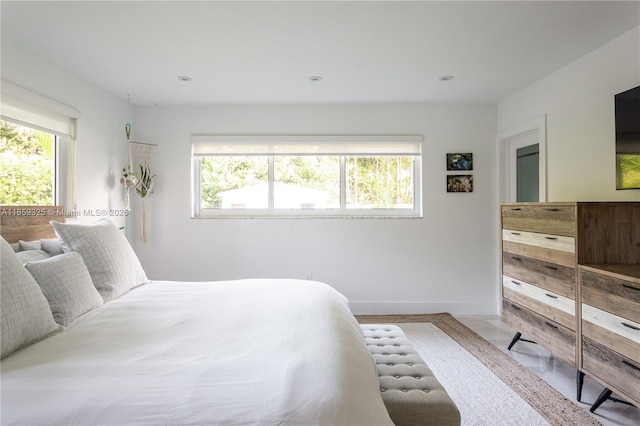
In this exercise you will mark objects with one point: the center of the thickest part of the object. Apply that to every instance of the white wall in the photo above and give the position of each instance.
(100, 128)
(444, 262)
(578, 101)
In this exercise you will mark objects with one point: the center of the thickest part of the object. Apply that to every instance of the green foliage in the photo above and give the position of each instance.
(321, 173)
(46, 142)
(371, 182)
(629, 167)
(219, 174)
(379, 182)
(26, 165)
(144, 188)
(127, 171)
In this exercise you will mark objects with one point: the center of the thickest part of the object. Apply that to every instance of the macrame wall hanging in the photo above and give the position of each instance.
(128, 178)
(138, 177)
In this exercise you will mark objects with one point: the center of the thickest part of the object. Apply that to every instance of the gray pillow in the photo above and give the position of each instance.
(25, 314)
(110, 259)
(51, 246)
(67, 285)
(29, 245)
(31, 256)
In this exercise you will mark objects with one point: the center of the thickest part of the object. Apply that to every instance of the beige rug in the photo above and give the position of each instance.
(546, 402)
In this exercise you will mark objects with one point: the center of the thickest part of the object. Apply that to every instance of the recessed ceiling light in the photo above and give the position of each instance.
(446, 78)
(184, 78)
(315, 78)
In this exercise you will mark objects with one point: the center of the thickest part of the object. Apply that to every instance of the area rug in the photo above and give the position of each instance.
(488, 386)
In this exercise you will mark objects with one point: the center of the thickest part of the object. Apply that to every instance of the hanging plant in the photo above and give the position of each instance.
(144, 188)
(128, 178)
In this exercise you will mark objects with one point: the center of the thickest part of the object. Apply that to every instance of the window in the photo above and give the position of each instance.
(27, 165)
(301, 176)
(36, 149)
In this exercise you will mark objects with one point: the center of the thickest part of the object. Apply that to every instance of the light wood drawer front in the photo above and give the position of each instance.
(620, 334)
(557, 339)
(557, 278)
(544, 218)
(621, 374)
(549, 241)
(620, 297)
(563, 258)
(558, 308)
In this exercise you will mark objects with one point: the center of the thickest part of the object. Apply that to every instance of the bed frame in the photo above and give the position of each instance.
(29, 223)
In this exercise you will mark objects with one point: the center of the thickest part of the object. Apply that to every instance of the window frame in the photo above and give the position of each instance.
(21, 106)
(59, 177)
(295, 145)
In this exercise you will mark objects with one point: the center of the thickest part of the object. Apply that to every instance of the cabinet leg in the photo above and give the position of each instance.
(604, 395)
(514, 340)
(518, 336)
(579, 384)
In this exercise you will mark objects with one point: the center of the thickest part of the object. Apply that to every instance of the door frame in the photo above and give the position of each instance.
(504, 141)
(514, 146)
(507, 144)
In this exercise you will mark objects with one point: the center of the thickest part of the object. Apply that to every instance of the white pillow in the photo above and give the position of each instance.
(25, 314)
(31, 256)
(67, 285)
(110, 259)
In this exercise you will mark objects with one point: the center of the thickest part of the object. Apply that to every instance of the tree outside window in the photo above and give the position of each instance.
(27, 165)
(306, 176)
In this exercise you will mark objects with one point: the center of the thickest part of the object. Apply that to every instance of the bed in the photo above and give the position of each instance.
(255, 351)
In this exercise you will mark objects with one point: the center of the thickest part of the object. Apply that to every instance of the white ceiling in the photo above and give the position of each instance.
(264, 52)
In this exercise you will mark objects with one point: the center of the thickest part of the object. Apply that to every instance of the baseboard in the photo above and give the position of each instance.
(406, 308)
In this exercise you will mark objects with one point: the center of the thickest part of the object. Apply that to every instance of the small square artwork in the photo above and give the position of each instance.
(459, 183)
(460, 161)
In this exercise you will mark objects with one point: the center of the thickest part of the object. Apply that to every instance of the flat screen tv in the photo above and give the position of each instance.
(627, 106)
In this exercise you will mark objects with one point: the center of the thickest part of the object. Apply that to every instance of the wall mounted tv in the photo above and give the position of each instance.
(628, 139)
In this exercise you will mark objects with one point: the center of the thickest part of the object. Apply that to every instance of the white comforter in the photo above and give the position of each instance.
(229, 352)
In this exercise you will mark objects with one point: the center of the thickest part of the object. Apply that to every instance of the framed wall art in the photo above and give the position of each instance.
(459, 183)
(461, 161)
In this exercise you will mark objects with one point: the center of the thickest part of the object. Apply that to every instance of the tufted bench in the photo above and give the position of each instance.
(409, 389)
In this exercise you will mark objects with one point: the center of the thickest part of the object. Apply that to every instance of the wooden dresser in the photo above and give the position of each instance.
(539, 274)
(611, 327)
(587, 315)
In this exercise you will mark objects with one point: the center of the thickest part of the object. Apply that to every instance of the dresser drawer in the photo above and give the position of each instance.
(557, 339)
(620, 334)
(543, 218)
(556, 307)
(620, 373)
(550, 241)
(545, 247)
(550, 276)
(612, 294)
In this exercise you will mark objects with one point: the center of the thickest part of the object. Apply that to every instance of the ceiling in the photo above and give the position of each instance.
(264, 52)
